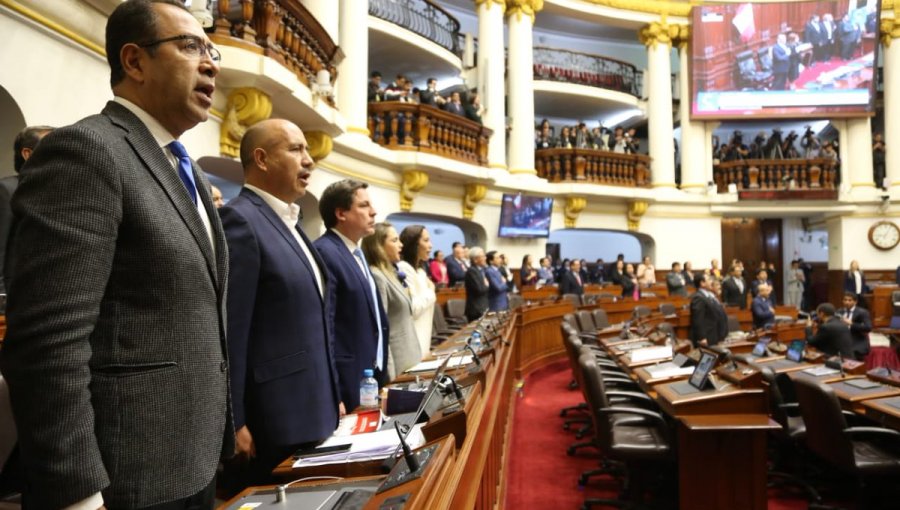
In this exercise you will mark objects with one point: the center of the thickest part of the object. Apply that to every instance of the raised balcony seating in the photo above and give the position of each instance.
(584, 69)
(594, 166)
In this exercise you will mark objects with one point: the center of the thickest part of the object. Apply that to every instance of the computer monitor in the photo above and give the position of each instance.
(795, 351)
(701, 373)
(760, 348)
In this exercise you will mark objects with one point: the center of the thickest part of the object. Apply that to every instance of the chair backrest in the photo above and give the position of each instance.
(895, 301)
(515, 301)
(746, 63)
(456, 308)
(572, 352)
(776, 399)
(825, 423)
(585, 321)
(595, 395)
(666, 328)
(574, 298)
(667, 309)
(733, 324)
(438, 320)
(570, 318)
(641, 311)
(601, 320)
(765, 58)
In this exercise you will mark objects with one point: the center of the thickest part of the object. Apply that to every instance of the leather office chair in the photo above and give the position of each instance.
(640, 311)
(666, 328)
(586, 322)
(439, 321)
(601, 320)
(667, 309)
(627, 433)
(574, 298)
(515, 301)
(456, 311)
(868, 453)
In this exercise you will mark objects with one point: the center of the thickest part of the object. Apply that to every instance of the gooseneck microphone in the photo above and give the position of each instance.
(411, 461)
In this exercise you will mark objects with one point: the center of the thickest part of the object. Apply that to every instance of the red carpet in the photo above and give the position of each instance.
(541, 475)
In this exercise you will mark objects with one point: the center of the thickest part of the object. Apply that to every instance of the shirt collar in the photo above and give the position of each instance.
(159, 133)
(347, 242)
(284, 210)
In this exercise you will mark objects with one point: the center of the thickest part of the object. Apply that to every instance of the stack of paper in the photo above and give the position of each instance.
(431, 366)
(651, 353)
(668, 370)
(371, 446)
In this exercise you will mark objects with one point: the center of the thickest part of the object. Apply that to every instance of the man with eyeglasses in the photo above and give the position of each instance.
(115, 352)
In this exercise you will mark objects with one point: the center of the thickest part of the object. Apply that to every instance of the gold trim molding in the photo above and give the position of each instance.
(636, 210)
(414, 181)
(661, 7)
(320, 144)
(527, 7)
(574, 206)
(661, 32)
(489, 3)
(889, 29)
(474, 193)
(246, 106)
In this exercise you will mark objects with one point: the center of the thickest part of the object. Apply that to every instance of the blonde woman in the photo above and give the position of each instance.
(382, 251)
(413, 260)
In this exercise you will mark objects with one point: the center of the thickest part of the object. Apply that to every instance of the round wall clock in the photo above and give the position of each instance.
(884, 235)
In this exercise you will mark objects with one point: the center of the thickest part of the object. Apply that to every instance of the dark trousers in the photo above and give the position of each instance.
(240, 474)
(205, 499)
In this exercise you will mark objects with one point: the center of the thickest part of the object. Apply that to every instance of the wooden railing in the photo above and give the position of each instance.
(281, 29)
(423, 128)
(776, 174)
(594, 166)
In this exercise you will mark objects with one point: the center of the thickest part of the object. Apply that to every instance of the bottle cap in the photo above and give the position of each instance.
(368, 372)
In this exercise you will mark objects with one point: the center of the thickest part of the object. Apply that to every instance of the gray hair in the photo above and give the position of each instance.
(475, 252)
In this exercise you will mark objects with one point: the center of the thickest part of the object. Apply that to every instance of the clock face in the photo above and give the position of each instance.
(884, 235)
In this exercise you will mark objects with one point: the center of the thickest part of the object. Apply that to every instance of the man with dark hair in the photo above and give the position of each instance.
(734, 289)
(277, 320)
(571, 281)
(833, 337)
(356, 314)
(456, 264)
(430, 94)
(116, 313)
(497, 285)
(675, 281)
(858, 320)
(375, 92)
(709, 323)
(23, 146)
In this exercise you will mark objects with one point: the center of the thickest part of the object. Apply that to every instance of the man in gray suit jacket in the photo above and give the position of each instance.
(115, 350)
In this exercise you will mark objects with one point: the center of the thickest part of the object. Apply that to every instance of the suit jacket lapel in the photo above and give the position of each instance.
(155, 161)
(354, 265)
(399, 289)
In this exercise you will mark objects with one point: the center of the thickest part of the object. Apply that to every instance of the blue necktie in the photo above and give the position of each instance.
(185, 169)
(365, 269)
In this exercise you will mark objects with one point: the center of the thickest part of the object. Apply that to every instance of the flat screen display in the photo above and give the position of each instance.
(760, 348)
(784, 59)
(795, 351)
(525, 216)
(701, 372)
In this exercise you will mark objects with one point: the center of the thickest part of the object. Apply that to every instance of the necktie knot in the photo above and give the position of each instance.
(178, 150)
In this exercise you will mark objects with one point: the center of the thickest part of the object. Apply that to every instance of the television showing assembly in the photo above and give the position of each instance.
(813, 59)
(525, 216)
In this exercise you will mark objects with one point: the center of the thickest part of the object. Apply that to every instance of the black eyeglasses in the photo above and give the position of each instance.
(194, 47)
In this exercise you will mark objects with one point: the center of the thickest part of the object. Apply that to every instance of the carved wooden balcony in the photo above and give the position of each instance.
(281, 29)
(594, 166)
(415, 127)
(766, 179)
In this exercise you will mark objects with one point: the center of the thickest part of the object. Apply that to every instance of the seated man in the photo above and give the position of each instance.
(762, 308)
(833, 337)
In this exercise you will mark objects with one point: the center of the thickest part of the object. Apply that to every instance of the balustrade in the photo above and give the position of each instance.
(281, 29)
(594, 166)
(416, 127)
(422, 17)
(585, 69)
(818, 174)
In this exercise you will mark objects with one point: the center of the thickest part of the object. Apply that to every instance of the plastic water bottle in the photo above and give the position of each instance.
(368, 389)
(476, 341)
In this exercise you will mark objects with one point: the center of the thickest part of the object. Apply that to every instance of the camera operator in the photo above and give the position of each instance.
(788, 150)
(632, 144)
(773, 148)
(736, 150)
(810, 144)
(757, 148)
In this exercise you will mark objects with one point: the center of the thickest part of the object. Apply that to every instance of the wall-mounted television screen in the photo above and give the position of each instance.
(524, 216)
(784, 59)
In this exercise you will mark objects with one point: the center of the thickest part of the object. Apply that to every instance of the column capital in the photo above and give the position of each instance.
(320, 144)
(474, 193)
(636, 210)
(574, 206)
(889, 29)
(414, 181)
(526, 7)
(489, 3)
(658, 32)
(246, 106)
(681, 35)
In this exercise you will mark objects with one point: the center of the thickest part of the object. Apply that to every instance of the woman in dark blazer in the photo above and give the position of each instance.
(529, 274)
(855, 282)
(628, 281)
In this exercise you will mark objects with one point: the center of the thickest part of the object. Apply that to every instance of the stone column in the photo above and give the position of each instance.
(658, 83)
(856, 158)
(890, 30)
(520, 18)
(353, 71)
(327, 14)
(693, 165)
(493, 87)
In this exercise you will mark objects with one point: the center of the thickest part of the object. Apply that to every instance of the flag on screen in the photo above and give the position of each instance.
(743, 22)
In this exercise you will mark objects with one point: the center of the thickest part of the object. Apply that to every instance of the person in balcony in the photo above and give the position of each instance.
(599, 138)
(394, 91)
(455, 104)
(583, 139)
(632, 144)
(878, 162)
(472, 107)
(544, 139)
(375, 92)
(430, 95)
(565, 140)
(617, 140)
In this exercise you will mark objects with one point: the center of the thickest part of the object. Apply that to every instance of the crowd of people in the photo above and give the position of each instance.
(776, 146)
(620, 140)
(466, 104)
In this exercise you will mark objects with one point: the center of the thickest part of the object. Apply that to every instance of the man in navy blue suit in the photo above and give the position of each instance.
(356, 314)
(283, 377)
(497, 285)
(456, 264)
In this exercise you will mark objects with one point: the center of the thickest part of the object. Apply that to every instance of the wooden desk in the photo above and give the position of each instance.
(852, 397)
(448, 293)
(882, 307)
(722, 461)
(885, 411)
(823, 379)
(730, 400)
(781, 365)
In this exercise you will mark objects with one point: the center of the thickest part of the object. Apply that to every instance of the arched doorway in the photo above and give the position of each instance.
(444, 230)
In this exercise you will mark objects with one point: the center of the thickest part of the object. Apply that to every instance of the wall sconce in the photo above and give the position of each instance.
(321, 87)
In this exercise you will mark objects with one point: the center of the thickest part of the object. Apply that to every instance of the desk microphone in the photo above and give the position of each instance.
(475, 357)
(841, 360)
(411, 461)
(455, 389)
